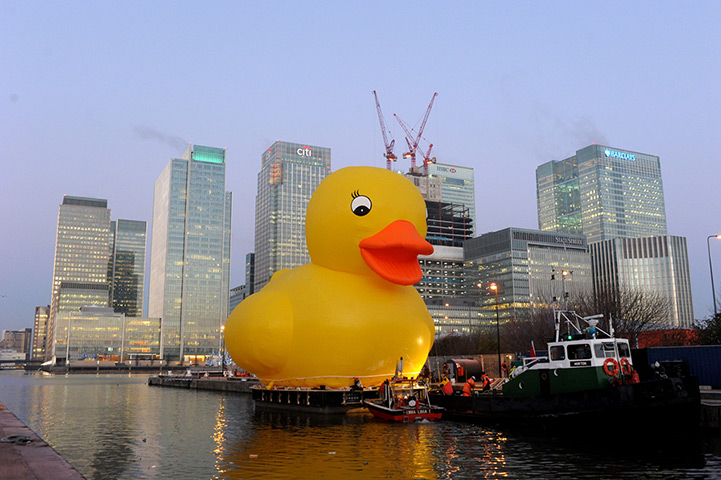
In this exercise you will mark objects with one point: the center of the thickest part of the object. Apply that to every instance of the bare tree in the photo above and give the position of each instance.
(709, 330)
(536, 327)
(632, 311)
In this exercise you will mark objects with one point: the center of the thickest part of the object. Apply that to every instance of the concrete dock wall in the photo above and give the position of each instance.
(26, 456)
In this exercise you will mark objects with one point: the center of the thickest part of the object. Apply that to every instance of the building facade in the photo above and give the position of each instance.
(457, 187)
(81, 252)
(650, 264)
(99, 333)
(527, 266)
(290, 173)
(190, 253)
(40, 332)
(249, 274)
(603, 193)
(20, 341)
(237, 295)
(126, 267)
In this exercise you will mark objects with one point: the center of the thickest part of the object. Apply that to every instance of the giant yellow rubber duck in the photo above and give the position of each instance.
(352, 311)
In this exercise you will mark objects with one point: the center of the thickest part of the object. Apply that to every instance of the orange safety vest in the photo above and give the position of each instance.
(447, 387)
(486, 381)
(468, 387)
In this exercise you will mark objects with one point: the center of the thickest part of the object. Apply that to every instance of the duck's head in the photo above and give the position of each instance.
(368, 220)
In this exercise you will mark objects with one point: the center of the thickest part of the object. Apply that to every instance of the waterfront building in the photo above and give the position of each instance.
(527, 266)
(430, 187)
(457, 187)
(249, 274)
(40, 332)
(81, 253)
(99, 333)
(126, 267)
(449, 225)
(457, 316)
(652, 264)
(237, 295)
(603, 193)
(190, 253)
(290, 173)
(20, 341)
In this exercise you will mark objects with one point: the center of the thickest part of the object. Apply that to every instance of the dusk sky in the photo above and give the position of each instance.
(97, 97)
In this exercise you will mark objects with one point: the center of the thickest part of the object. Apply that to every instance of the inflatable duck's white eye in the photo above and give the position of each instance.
(360, 205)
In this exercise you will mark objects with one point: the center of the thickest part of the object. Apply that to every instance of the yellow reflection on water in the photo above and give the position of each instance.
(356, 446)
(219, 431)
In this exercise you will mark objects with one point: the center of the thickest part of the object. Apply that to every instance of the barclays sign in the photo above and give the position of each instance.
(622, 155)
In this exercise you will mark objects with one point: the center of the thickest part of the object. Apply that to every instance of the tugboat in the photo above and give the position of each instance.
(588, 376)
(403, 400)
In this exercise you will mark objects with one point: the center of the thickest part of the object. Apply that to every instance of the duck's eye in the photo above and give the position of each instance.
(361, 205)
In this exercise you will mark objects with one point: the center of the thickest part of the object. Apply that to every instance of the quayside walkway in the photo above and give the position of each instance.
(26, 456)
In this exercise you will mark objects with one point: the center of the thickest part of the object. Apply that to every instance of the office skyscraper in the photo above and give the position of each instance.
(126, 267)
(602, 192)
(80, 269)
(289, 174)
(190, 253)
(523, 263)
(615, 198)
(653, 264)
(40, 332)
(457, 187)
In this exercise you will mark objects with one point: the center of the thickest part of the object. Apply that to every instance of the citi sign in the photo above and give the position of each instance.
(304, 151)
(623, 155)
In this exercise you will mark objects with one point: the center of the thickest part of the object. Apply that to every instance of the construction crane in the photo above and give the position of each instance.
(412, 140)
(390, 156)
(427, 159)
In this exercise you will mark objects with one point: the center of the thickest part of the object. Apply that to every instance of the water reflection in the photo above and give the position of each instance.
(314, 446)
(112, 427)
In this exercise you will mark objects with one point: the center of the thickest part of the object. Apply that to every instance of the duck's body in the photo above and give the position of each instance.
(351, 312)
(316, 344)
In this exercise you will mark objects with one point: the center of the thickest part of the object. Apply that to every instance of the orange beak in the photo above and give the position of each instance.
(393, 253)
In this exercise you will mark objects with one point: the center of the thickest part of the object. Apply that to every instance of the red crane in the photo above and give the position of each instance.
(413, 141)
(390, 156)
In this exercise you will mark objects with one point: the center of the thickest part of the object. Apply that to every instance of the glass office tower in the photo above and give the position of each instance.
(602, 192)
(126, 268)
(289, 175)
(527, 267)
(457, 187)
(81, 253)
(40, 332)
(190, 254)
(655, 264)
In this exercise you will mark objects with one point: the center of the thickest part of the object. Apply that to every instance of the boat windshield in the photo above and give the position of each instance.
(607, 350)
(558, 352)
(579, 352)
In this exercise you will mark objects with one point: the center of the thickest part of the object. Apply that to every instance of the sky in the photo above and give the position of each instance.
(97, 97)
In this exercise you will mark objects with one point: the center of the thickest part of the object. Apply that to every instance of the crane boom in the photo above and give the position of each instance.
(412, 140)
(390, 156)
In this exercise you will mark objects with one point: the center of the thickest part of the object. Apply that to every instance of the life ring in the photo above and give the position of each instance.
(610, 366)
(626, 366)
(504, 366)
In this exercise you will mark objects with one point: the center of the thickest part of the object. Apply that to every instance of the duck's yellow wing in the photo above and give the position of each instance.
(258, 333)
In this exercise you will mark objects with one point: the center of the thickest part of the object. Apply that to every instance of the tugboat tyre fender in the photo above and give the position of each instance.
(626, 366)
(610, 366)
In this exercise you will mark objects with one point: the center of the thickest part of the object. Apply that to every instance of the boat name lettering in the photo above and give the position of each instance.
(581, 363)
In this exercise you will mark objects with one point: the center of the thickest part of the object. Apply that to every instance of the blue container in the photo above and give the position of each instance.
(703, 361)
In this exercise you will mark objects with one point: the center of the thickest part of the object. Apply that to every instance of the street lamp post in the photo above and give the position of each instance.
(494, 287)
(222, 348)
(710, 267)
